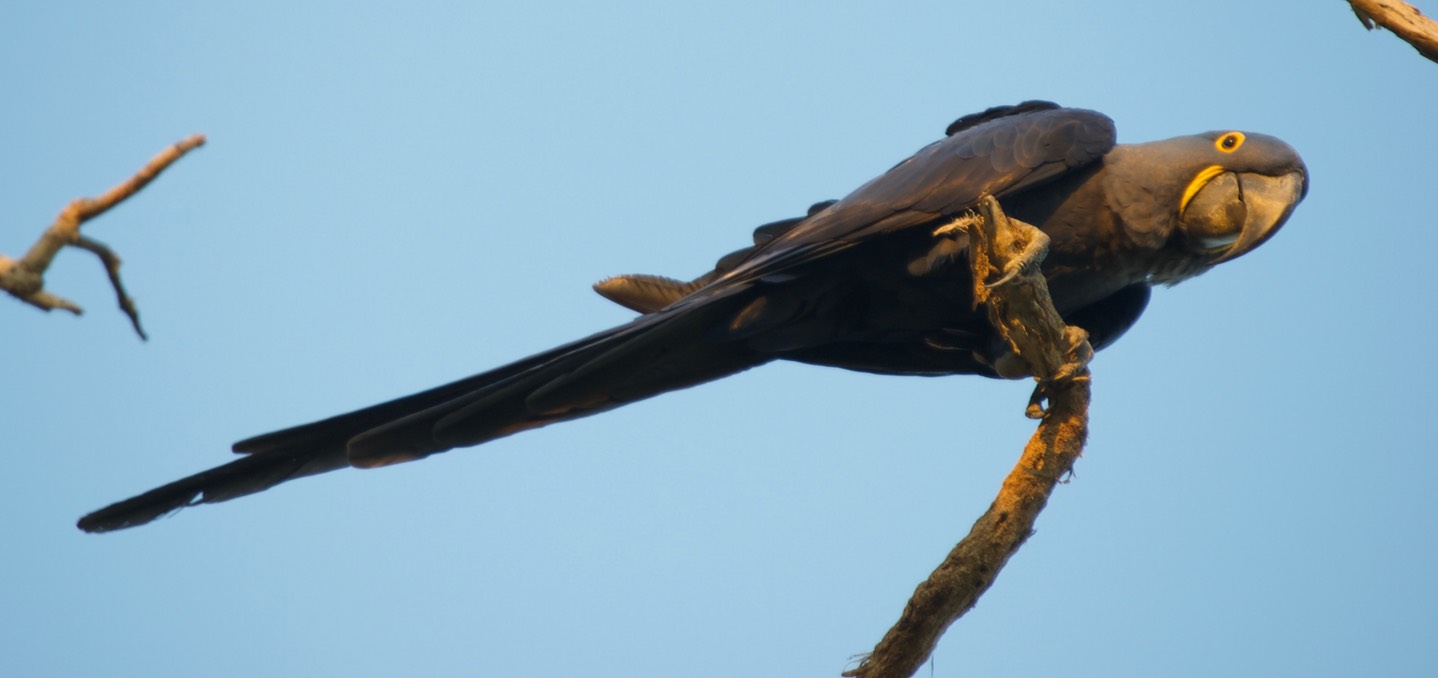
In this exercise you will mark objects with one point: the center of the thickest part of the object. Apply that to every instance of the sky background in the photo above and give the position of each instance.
(395, 198)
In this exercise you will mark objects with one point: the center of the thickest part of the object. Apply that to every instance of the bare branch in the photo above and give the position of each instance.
(25, 278)
(1019, 306)
(1403, 19)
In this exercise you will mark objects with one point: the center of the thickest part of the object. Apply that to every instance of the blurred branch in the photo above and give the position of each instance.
(1019, 306)
(1403, 19)
(25, 278)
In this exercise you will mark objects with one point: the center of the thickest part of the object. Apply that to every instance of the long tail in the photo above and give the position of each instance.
(651, 355)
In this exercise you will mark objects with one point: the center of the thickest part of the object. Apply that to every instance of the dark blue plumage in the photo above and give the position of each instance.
(870, 282)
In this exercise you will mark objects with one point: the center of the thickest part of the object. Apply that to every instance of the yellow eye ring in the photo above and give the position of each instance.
(1229, 143)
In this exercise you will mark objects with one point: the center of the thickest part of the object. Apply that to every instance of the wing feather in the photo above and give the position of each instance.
(997, 156)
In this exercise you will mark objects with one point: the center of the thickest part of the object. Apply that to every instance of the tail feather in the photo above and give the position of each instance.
(308, 449)
(353, 423)
(650, 355)
(238, 478)
(653, 354)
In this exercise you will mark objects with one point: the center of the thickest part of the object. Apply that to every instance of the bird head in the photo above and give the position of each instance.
(1221, 194)
(1240, 200)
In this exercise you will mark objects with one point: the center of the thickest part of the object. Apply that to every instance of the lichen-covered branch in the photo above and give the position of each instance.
(1403, 19)
(1006, 252)
(24, 278)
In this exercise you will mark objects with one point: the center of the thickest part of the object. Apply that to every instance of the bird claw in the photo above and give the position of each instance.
(1027, 261)
(957, 227)
(1074, 369)
(1011, 273)
(1036, 408)
(1043, 393)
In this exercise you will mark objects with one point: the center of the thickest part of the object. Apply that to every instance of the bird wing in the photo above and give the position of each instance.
(999, 152)
(1004, 153)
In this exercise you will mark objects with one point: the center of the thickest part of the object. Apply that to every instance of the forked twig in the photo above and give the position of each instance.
(24, 278)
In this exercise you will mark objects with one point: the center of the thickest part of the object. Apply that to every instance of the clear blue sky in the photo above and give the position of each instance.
(393, 198)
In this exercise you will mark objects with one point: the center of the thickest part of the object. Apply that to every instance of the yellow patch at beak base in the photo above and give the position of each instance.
(1199, 180)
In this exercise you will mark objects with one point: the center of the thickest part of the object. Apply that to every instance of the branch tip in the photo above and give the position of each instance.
(1403, 19)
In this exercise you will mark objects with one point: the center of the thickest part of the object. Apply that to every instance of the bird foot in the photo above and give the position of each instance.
(958, 227)
(1074, 370)
(1027, 261)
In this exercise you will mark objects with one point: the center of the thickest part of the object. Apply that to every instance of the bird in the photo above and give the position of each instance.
(871, 282)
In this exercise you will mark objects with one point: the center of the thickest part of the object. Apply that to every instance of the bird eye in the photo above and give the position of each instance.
(1230, 142)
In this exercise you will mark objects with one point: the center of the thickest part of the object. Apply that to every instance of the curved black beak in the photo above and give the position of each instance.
(1269, 200)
